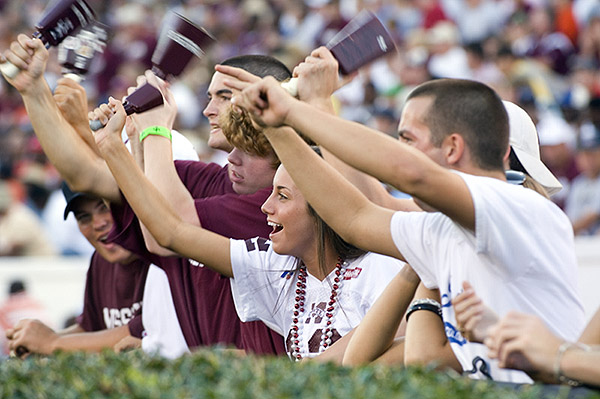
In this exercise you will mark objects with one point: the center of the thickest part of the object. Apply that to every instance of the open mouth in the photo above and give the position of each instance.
(276, 227)
(103, 241)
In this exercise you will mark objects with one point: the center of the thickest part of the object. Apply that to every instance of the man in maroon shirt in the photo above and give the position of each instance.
(226, 200)
(113, 291)
(202, 301)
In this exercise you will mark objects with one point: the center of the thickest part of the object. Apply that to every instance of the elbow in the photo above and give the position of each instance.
(156, 248)
(78, 183)
(158, 244)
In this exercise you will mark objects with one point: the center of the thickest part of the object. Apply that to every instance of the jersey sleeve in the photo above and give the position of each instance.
(259, 281)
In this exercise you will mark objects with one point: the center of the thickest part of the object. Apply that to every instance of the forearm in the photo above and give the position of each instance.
(74, 329)
(582, 366)
(83, 169)
(160, 170)
(394, 356)
(367, 185)
(157, 214)
(591, 334)
(335, 353)
(426, 340)
(366, 149)
(378, 329)
(348, 210)
(91, 341)
(146, 201)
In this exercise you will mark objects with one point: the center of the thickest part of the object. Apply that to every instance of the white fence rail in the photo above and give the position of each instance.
(59, 282)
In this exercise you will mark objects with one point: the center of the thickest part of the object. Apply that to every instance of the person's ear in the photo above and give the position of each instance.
(453, 147)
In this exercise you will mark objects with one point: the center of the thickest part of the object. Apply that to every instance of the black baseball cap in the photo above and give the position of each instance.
(70, 197)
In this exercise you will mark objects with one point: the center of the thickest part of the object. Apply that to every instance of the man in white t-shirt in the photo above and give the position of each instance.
(507, 241)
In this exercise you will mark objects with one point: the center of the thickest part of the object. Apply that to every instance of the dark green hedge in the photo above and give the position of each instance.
(216, 374)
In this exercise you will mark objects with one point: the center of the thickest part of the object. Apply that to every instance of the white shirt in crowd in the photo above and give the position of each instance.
(261, 291)
(520, 257)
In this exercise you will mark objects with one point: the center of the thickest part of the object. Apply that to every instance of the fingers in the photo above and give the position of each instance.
(467, 286)
(66, 84)
(236, 84)
(322, 52)
(20, 52)
(140, 80)
(237, 73)
(103, 113)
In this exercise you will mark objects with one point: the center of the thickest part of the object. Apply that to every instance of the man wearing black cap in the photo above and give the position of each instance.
(113, 292)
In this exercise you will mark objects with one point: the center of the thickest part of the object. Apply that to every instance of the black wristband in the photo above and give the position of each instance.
(422, 304)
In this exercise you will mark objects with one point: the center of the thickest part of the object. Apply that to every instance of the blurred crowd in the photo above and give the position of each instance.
(541, 54)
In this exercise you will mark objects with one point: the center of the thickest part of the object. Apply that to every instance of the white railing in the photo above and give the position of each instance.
(59, 282)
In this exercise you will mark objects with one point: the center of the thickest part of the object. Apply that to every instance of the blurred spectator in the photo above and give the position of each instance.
(478, 19)
(21, 232)
(19, 305)
(129, 51)
(557, 141)
(432, 12)
(589, 39)
(521, 43)
(482, 70)
(448, 59)
(583, 202)
(550, 47)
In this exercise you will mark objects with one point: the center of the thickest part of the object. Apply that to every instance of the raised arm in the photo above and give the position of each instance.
(370, 151)
(158, 161)
(345, 209)
(151, 207)
(83, 169)
(71, 99)
(317, 81)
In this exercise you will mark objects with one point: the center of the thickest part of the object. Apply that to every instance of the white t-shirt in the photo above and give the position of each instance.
(521, 258)
(162, 332)
(261, 291)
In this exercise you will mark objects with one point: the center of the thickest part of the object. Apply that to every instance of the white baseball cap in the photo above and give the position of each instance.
(524, 141)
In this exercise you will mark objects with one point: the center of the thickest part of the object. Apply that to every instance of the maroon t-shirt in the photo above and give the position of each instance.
(202, 297)
(113, 293)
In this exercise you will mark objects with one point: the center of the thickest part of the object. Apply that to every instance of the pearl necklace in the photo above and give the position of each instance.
(330, 312)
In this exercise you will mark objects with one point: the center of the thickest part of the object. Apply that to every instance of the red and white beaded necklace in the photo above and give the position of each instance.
(330, 312)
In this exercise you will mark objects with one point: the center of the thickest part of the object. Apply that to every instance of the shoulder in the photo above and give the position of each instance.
(260, 253)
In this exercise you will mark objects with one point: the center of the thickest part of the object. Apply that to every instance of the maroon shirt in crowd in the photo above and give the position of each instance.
(202, 297)
(113, 293)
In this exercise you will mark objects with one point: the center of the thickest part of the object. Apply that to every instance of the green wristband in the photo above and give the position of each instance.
(155, 130)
